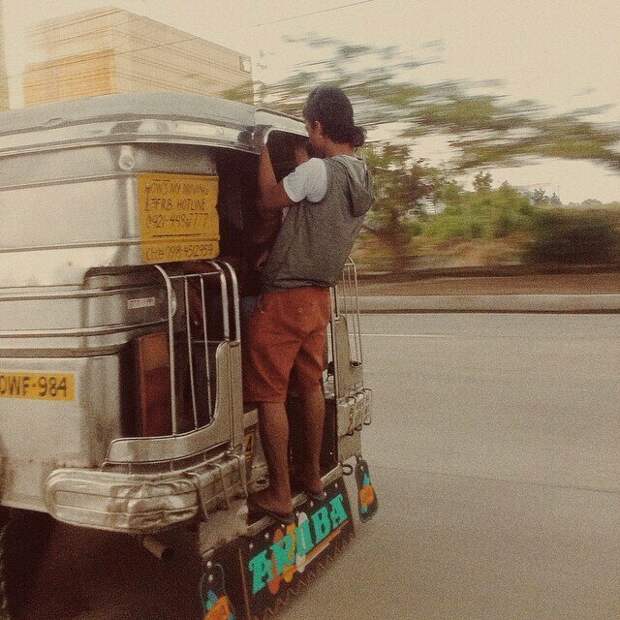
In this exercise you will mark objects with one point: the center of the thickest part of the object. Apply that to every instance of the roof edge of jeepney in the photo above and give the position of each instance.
(280, 121)
(135, 117)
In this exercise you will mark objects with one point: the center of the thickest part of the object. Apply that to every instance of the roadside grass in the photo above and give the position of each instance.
(498, 228)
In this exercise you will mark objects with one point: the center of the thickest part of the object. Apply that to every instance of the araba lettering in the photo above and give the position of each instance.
(304, 538)
(261, 568)
(338, 512)
(300, 542)
(282, 551)
(322, 524)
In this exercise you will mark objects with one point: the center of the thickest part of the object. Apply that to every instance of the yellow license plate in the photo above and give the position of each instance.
(37, 385)
(178, 217)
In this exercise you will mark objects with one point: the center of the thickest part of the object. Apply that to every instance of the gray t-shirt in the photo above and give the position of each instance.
(317, 237)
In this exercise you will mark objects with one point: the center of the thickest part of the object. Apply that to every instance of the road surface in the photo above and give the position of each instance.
(496, 455)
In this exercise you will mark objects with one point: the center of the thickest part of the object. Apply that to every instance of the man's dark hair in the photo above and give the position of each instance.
(332, 108)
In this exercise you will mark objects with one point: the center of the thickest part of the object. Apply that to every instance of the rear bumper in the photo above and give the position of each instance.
(142, 503)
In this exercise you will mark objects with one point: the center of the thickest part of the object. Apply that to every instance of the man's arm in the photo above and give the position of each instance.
(272, 194)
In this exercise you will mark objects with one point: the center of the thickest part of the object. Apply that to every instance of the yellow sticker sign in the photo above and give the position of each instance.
(37, 385)
(178, 217)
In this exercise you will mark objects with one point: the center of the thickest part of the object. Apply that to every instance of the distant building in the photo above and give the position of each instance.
(4, 81)
(110, 50)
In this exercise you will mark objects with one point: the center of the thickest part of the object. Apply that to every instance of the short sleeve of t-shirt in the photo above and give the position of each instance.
(307, 181)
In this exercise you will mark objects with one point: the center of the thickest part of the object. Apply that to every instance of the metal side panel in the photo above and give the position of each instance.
(349, 446)
(349, 375)
(44, 429)
(65, 211)
(39, 321)
(58, 266)
(75, 211)
(98, 161)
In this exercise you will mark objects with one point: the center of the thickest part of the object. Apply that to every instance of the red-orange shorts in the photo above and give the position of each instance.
(285, 341)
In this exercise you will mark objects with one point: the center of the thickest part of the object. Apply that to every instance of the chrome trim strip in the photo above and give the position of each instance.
(73, 246)
(122, 132)
(92, 331)
(74, 294)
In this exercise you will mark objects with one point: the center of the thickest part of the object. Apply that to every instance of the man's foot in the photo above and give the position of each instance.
(262, 503)
(311, 486)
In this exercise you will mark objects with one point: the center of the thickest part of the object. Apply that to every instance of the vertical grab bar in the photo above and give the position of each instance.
(358, 332)
(173, 400)
(206, 344)
(334, 347)
(224, 288)
(235, 296)
(190, 356)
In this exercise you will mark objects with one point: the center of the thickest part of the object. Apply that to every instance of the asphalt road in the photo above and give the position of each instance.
(496, 455)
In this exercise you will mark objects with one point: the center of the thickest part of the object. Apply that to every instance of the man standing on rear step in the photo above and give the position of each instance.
(327, 198)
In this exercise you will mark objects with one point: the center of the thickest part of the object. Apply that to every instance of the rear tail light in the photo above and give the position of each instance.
(153, 385)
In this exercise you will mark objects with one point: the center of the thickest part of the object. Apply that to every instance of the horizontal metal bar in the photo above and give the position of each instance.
(73, 246)
(76, 294)
(93, 331)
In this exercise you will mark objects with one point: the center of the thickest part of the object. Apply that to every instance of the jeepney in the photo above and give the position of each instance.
(126, 222)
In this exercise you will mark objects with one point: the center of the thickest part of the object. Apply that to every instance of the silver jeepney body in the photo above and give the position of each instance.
(75, 290)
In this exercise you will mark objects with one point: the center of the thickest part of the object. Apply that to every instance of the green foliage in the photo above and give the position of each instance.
(539, 196)
(483, 182)
(492, 214)
(484, 129)
(562, 236)
(399, 185)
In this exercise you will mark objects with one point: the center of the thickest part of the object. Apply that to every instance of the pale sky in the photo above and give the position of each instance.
(563, 53)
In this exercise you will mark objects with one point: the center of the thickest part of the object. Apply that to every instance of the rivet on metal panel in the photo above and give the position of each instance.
(126, 160)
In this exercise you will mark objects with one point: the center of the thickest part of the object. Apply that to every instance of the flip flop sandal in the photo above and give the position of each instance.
(317, 497)
(299, 487)
(256, 512)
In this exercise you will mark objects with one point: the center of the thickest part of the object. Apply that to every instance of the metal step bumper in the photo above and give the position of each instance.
(144, 503)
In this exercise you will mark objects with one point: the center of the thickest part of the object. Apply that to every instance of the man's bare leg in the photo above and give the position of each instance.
(274, 433)
(313, 420)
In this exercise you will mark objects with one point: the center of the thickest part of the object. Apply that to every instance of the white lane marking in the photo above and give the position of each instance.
(411, 335)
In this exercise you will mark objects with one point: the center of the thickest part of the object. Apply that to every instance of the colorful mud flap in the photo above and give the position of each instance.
(216, 604)
(367, 502)
(263, 570)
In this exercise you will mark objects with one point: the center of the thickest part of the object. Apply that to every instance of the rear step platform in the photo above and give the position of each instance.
(254, 575)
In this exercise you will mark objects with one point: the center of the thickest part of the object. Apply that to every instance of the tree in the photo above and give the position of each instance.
(483, 182)
(399, 185)
(482, 128)
(539, 196)
(555, 200)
